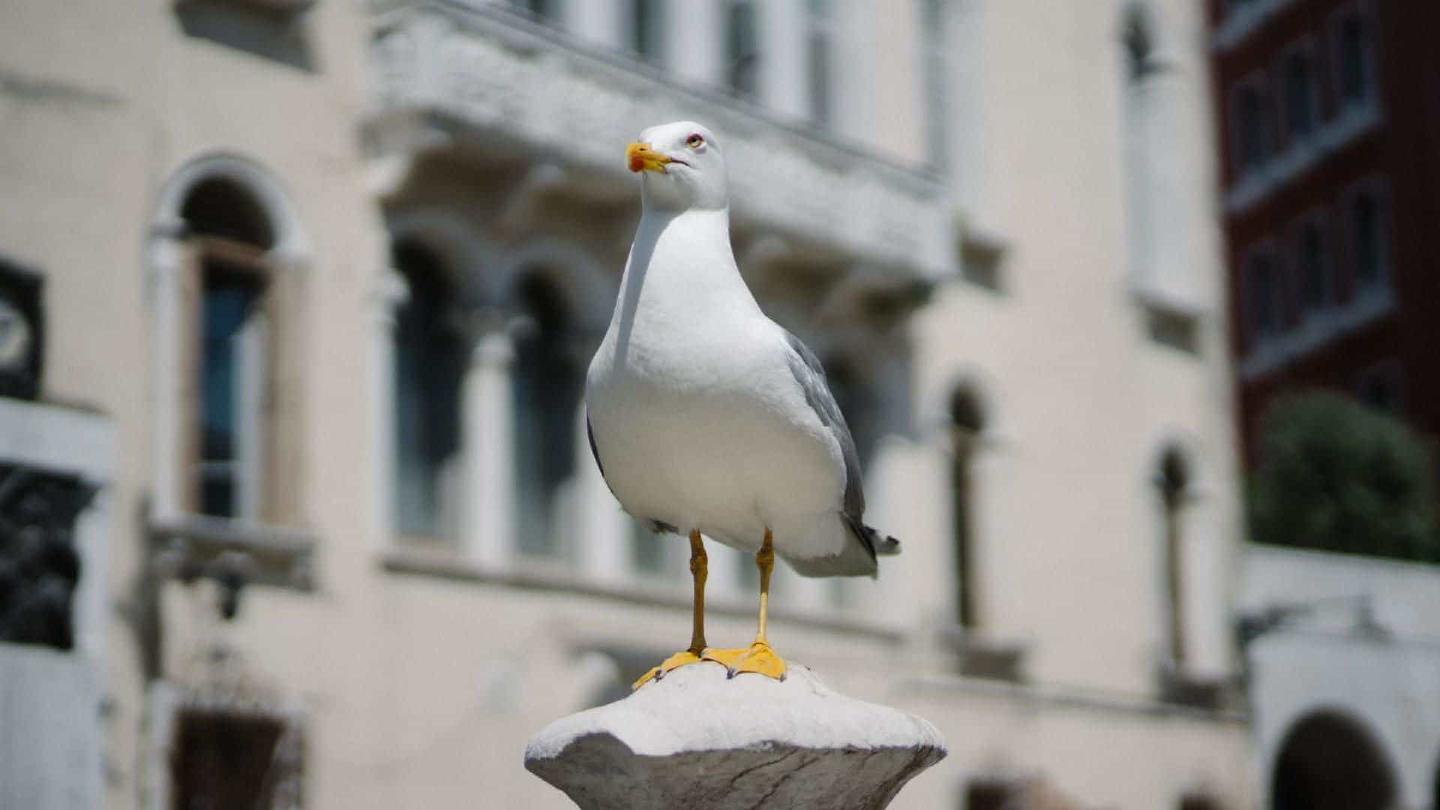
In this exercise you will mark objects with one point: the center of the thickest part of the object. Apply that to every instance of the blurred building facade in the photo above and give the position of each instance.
(1331, 140)
(1330, 136)
(322, 281)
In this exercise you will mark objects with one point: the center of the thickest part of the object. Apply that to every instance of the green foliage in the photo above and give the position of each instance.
(1337, 476)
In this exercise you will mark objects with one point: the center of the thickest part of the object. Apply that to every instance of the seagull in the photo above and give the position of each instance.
(707, 418)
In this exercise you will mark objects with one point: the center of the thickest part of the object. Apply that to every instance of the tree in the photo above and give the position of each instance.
(1337, 476)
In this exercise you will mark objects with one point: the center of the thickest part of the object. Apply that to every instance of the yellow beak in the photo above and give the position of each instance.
(644, 159)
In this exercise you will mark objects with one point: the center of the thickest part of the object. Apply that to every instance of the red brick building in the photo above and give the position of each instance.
(1330, 130)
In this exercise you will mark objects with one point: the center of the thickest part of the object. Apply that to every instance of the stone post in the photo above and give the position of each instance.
(697, 739)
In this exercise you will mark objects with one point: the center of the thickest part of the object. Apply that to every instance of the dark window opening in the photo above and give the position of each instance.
(1251, 129)
(431, 356)
(1172, 481)
(220, 208)
(1264, 296)
(646, 25)
(1299, 96)
(1330, 762)
(992, 794)
(742, 57)
(548, 382)
(1352, 46)
(225, 761)
(966, 423)
(232, 328)
(1316, 289)
(1368, 229)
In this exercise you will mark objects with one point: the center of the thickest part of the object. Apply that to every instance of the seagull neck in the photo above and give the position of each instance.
(687, 254)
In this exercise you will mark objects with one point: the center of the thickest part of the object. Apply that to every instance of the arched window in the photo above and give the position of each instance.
(548, 382)
(966, 423)
(1172, 482)
(430, 358)
(1329, 761)
(231, 314)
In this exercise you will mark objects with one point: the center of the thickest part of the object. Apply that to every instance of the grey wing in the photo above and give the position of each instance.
(810, 374)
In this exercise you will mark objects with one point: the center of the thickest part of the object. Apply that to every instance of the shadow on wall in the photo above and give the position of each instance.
(274, 30)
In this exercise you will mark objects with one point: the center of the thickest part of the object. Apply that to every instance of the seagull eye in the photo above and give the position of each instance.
(695, 141)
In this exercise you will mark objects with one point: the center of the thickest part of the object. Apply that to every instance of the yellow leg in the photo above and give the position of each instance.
(699, 569)
(758, 657)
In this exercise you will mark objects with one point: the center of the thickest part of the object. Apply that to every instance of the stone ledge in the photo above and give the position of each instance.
(697, 739)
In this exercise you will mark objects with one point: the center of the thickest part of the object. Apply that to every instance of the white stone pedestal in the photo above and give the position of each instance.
(698, 740)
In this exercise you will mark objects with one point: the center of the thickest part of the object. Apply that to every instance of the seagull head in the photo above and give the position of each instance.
(680, 166)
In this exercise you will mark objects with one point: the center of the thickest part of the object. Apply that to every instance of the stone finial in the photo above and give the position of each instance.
(697, 739)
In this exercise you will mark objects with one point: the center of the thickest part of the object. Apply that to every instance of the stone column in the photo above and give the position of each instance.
(784, 57)
(694, 40)
(167, 261)
(488, 429)
(601, 22)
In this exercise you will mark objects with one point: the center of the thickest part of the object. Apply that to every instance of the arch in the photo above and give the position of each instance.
(250, 299)
(205, 181)
(547, 383)
(587, 290)
(1328, 760)
(454, 245)
(429, 353)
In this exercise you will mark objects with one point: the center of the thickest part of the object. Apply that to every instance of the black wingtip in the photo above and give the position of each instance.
(886, 546)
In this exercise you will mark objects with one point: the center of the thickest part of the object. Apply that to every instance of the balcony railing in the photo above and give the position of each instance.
(481, 73)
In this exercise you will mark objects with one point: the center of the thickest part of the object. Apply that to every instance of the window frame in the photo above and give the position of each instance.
(733, 69)
(1305, 46)
(1375, 187)
(1240, 168)
(259, 467)
(647, 45)
(1319, 218)
(1256, 337)
(447, 522)
(1365, 12)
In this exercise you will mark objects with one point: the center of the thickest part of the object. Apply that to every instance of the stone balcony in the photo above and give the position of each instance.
(478, 77)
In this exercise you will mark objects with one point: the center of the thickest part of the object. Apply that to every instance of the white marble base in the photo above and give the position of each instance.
(697, 739)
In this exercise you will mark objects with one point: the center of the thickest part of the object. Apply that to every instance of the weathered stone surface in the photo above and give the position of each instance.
(697, 740)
